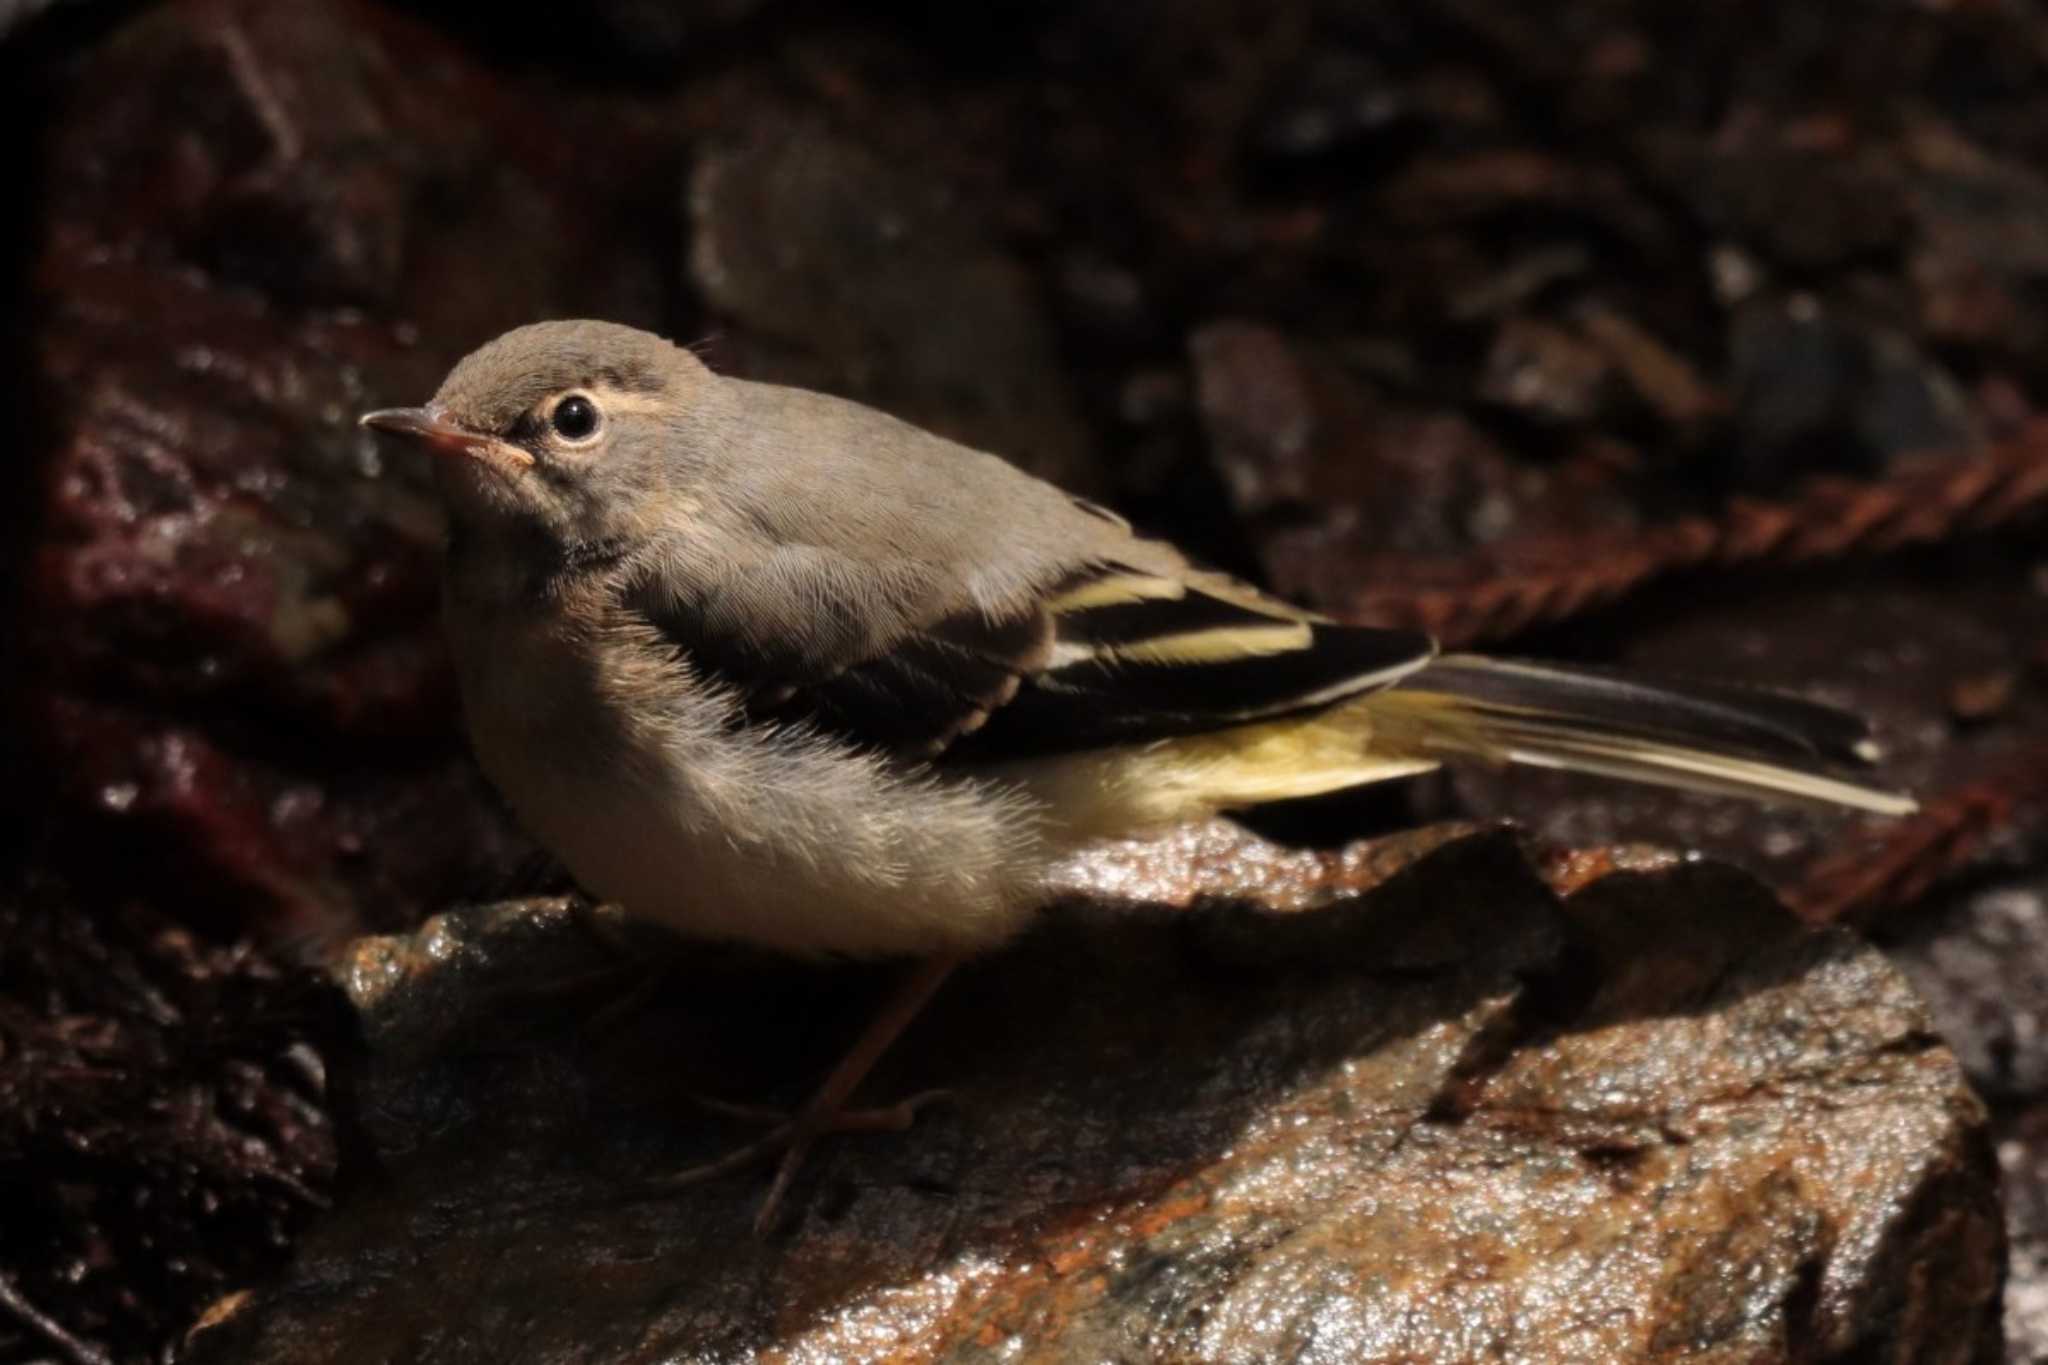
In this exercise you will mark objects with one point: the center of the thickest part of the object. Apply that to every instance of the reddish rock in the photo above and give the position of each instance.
(237, 665)
(1655, 1120)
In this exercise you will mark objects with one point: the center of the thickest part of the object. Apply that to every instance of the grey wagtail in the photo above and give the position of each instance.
(765, 665)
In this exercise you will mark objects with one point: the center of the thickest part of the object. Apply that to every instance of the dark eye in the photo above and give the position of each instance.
(575, 418)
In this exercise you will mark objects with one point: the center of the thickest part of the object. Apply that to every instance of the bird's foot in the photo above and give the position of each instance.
(789, 1139)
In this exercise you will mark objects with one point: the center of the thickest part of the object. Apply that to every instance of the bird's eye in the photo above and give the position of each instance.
(575, 418)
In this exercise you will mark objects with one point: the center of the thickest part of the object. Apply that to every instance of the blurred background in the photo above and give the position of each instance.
(1707, 339)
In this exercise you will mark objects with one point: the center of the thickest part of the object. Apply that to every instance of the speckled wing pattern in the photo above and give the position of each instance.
(1110, 655)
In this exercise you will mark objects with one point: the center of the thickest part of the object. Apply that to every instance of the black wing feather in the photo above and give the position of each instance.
(922, 694)
(969, 688)
(1109, 700)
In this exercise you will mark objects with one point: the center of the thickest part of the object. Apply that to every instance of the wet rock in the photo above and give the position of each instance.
(1978, 964)
(876, 284)
(2023, 1156)
(1654, 1119)
(231, 596)
(162, 1121)
(1975, 955)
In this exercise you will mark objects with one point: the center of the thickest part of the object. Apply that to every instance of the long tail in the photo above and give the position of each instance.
(1700, 738)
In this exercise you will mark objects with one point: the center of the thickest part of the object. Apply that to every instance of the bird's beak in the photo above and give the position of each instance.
(431, 428)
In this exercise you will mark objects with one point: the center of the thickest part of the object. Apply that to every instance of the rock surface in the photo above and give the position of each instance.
(1446, 1116)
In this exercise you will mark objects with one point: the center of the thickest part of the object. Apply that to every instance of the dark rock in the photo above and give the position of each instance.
(1578, 1138)
(1257, 401)
(236, 655)
(658, 33)
(1979, 966)
(1337, 104)
(1816, 391)
(610, 41)
(1336, 476)
(1519, 282)
(876, 284)
(1662, 377)
(1975, 954)
(1876, 641)
(1152, 398)
(1515, 182)
(16, 15)
(2023, 1156)
(1544, 370)
(163, 1120)
(1983, 241)
(1292, 434)
(1103, 298)
(1811, 204)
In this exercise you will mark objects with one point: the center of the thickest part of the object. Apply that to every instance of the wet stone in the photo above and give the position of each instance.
(1652, 1119)
(268, 223)
(1978, 964)
(2023, 1157)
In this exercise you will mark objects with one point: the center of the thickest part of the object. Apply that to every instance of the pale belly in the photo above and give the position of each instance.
(787, 842)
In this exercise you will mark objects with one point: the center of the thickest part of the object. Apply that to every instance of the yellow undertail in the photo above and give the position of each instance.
(1116, 792)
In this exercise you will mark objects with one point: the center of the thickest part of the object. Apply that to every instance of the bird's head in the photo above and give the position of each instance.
(571, 433)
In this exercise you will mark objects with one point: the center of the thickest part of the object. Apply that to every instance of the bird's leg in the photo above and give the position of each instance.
(825, 1112)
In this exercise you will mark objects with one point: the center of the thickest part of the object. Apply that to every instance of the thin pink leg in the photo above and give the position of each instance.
(825, 1111)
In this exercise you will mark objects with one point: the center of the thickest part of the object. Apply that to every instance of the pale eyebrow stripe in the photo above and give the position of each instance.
(610, 399)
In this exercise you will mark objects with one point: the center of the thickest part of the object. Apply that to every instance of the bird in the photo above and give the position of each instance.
(766, 665)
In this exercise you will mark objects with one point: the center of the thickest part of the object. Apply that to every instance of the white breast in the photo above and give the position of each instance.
(777, 838)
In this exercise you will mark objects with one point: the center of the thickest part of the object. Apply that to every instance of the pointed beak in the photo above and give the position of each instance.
(428, 427)
(431, 428)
